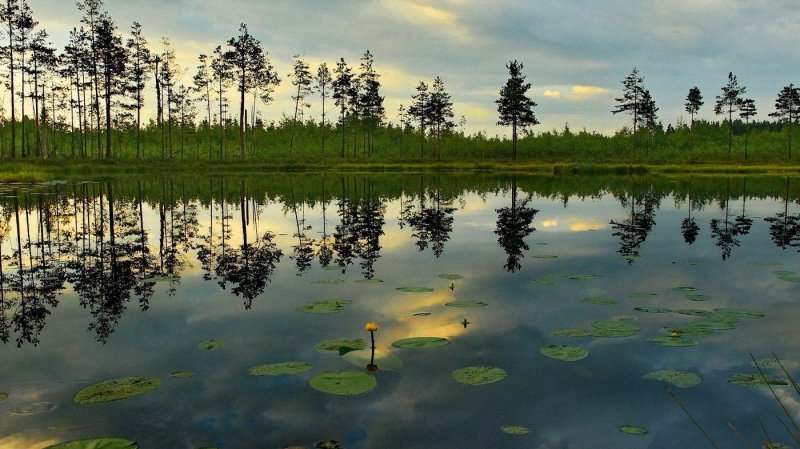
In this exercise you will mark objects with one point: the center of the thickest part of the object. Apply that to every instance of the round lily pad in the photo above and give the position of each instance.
(564, 353)
(642, 295)
(653, 309)
(790, 278)
(569, 332)
(754, 380)
(3, 396)
(414, 289)
(369, 281)
(515, 430)
(326, 306)
(678, 342)
(421, 342)
(451, 277)
(544, 256)
(724, 319)
(279, 369)
(333, 268)
(466, 304)
(479, 375)
(684, 289)
(633, 430)
(698, 297)
(784, 273)
(96, 443)
(118, 389)
(343, 383)
(329, 281)
(585, 277)
(690, 331)
(776, 446)
(772, 363)
(680, 379)
(709, 325)
(599, 301)
(182, 374)
(613, 329)
(695, 312)
(743, 313)
(544, 281)
(336, 344)
(210, 345)
(422, 314)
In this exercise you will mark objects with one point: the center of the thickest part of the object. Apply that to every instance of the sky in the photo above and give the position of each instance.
(575, 52)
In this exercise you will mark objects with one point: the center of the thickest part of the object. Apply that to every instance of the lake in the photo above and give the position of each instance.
(560, 312)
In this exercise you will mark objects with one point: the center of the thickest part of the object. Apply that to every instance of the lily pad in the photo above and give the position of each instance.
(653, 309)
(96, 443)
(684, 289)
(333, 268)
(570, 332)
(754, 380)
(677, 342)
(709, 325)
(545, 282)
(118, 389)
(421, 342)
(329, 281)
(414, 289)
(326, 306)
(695, 312)
(564, 353)
(760, 263)
(776, 446)
(369, 281)
(182, 374)
(422, 314)
(636, 295)
(585, 277)
(466, 304)
(515, 430)
(3, 396)
(772, 363)
(335, 345)
(743, 313)
(157, 279)
(790, 278)
(690, 331)
(599, 301)
(633, 430)
(680, 379)
(279, 369)
(479, 375)
(698, 297)
(210, 345)
(451, 277)
(343, 383)
(613, 329)
(544, 256)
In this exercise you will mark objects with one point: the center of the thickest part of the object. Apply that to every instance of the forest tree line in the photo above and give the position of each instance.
(87, 101)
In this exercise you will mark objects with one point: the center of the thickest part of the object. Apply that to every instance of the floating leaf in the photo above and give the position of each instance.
(772, 363)
(599, 301)
(613, 329)
(326, 306)
(210, 345)
(776, 446)
(624, 318)
(451, 277)
(642, 295)
(515, 430)
(684, 289)
(329, 281)
(743, 313)
(157, 279)
(759, 263)
(479, 375)
(784, 273)
(118, 389)
(3, 396)
(678, 342)
(421, 342)
(754, 380)
(653, 309)
(724, 319)
(181, 374)
(709, 325)
(695, 312)
(633, 430)
(333, 268)
(690, 331)
(790, 278)
(681, 379)
(96, 443)
(545, 282)
(422, 314)
(369, 281)
(466, 304)
(565, 353)
(544, 256)
(343, 383)
(279, 369)
(698, 297)
(571, 333)
(335, 344)
(414, 289)
(585, 277)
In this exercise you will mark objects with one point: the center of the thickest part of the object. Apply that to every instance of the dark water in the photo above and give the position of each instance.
(235, 258)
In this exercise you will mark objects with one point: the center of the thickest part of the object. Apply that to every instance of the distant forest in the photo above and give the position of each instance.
(86, 101)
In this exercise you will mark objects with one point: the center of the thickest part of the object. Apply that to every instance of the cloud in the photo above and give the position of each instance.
(580, 91)
(432, 19)
(551, 93)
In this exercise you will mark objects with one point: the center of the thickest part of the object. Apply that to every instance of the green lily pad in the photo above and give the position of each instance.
(210, 345)
(343, 383)
(790, 278)
(677, 342)
(760, 263)
(336, 344)
(613, 329)
(599, 301)
(369, 281)
(325, 306)
(695, 312)
(279, 369)
(698, 297)
(451, 277)
(691, 331)
(422, 314)
(333, 268)
(421, 342)
(636, 295)
(684, 289)
(515, 430)
(754, 380)
(414, 289)
(544, 256)
(479, 375)
(776, 446)
(784, 273)
(772, 363)
(466, 304)
(710, 325)
(724, 319)
(570, 332)
(742, 313)
(3, 396)
(118, 389)
(96, 443)
(680, 379)
(585, 277)
(633, 430)
(653, 309)
(545, 282)
(564, 353)
(157, 279)
(182, 374)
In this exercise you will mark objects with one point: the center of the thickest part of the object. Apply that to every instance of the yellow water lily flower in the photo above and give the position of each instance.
(371, 327)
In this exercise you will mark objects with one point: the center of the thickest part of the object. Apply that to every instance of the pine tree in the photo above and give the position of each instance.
(514, 106)
(302, 80)
(323, 86)
(694, 100)
(8, 15)
(202, 85)
(787, 107)
(747, 109)
(370, 103)
(633, 102)
(728, 102)
(342, 86)
(440, 112)
(138, 70)
(221, 78)
(418, 111)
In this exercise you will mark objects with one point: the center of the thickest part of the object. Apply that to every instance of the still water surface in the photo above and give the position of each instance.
(112, 279)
